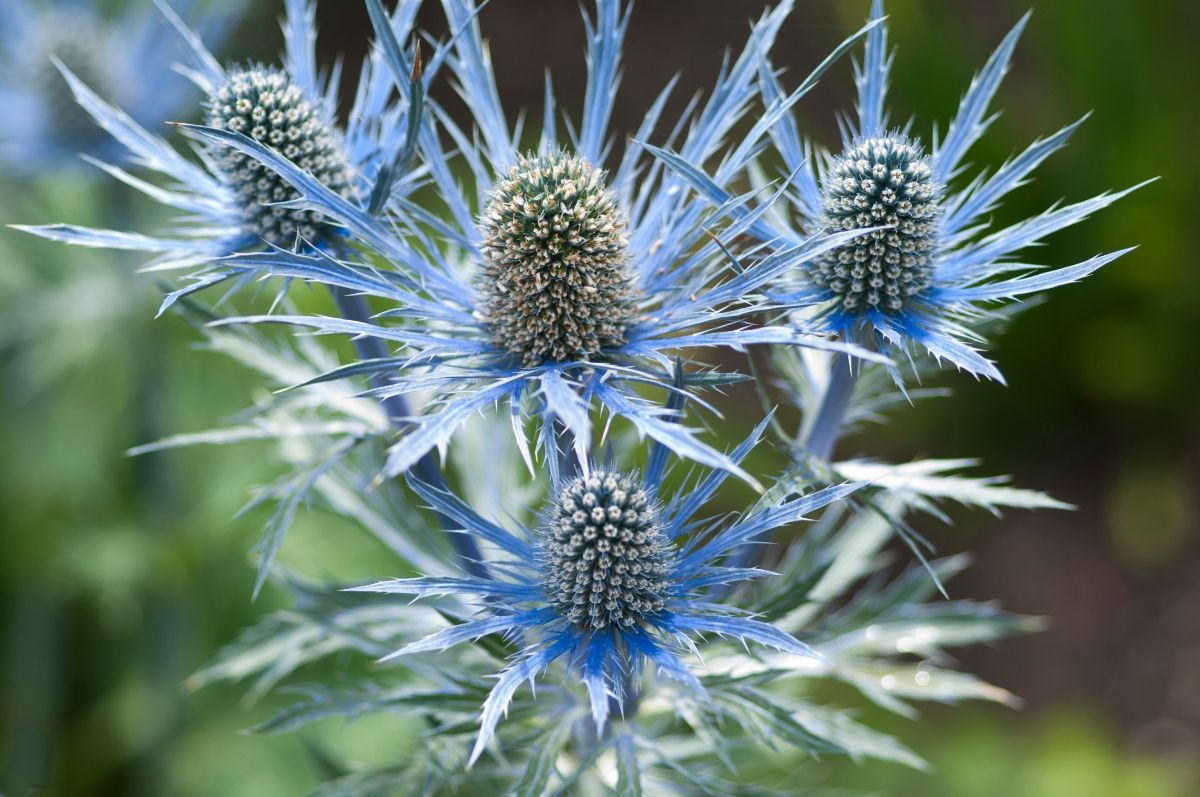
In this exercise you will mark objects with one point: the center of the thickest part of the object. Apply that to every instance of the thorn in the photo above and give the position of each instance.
(418, 68)
(737, 264)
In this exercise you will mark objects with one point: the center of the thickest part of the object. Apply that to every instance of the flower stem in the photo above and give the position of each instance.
(353, 307)
(818, 438)
(827, 425)
(564, 443)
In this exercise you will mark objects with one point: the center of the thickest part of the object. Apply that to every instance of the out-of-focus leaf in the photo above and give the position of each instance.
(761, 715)
(857, 740)
(541, 764)
(928, 629)
(629, 776)
(286, 640)
(934, 479)
(322, 702)
(889, 685)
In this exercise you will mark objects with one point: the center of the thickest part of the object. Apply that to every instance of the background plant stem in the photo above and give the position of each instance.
(353, 307)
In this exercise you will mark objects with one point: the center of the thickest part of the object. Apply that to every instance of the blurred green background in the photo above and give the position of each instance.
(119, 577)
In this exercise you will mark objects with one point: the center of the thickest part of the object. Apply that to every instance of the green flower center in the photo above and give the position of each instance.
(265, 105)
(880, 182)
(607, 560)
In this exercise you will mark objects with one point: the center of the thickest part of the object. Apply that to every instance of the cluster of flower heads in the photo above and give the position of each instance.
(639, 261)
(577, 281)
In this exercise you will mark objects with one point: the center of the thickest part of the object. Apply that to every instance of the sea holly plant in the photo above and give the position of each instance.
(608, 585)
(589, 591)
(930, 273)
(931, 276)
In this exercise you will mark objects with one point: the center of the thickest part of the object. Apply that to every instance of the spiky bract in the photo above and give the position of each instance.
(880, 182)
(607, 559)
(555, 281)
(267, 106)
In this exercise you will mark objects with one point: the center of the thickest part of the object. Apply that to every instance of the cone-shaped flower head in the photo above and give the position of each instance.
(555, 282)
(267, 106)
(607, 559)
(880, 182)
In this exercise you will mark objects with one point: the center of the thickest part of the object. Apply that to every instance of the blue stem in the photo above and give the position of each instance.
(564, 443)
(353, 307)
(819, 441)
(826, 427)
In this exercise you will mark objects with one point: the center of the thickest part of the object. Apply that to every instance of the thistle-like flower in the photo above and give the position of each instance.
(234, 201)
(266, 106)
(125, 56)
(942, 243)
(615, 578)
(884, 183)
(555, 283)
(932, 266)
(550, 284)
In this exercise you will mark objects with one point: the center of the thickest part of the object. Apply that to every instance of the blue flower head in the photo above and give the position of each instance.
(934, 269)
(125, 56)
(548, 282)
(234, 203)
(928, 269)
(616, 577)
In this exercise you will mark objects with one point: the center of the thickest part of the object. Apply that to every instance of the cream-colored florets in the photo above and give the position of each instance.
(555, 283)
